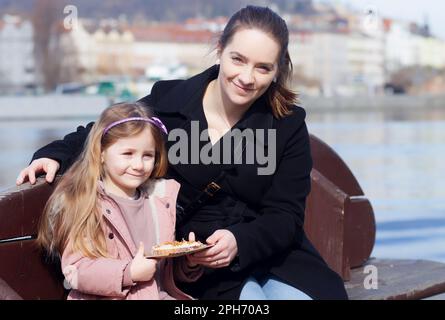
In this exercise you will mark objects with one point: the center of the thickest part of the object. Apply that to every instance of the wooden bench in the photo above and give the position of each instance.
(398, 280)
(339, 221)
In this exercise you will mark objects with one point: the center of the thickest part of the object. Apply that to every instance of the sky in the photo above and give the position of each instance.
(412, 10)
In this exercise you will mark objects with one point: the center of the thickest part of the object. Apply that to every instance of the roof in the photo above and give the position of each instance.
(171, 33)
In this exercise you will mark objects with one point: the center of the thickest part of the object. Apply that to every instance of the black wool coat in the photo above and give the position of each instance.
(264, 212)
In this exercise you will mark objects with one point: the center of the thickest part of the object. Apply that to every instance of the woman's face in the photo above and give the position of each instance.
(249, 64)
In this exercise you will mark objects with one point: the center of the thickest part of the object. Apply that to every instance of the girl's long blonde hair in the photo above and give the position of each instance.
(72, 214)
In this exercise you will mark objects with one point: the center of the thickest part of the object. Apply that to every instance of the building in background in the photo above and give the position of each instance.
(90, 52)
(113, 49)
(166, 49)
(336, 51)
(404, 47)
(17, 64)
(335, 48)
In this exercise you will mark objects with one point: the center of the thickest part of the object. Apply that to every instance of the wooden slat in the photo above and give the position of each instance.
(12, 214)
(399, 280)
(34, 201)
(7, 293)
(324, 222)
(360, 229)
(26, 271)
(22, 265)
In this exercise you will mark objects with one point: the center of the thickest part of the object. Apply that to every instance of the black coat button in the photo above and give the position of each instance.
(108, 211)
(111, 235)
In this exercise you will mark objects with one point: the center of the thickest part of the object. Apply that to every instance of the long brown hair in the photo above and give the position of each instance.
(281, 98)
(71, 215)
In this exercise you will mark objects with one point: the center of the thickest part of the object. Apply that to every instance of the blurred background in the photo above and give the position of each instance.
(371, 76)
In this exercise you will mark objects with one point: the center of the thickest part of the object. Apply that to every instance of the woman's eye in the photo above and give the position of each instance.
(264, 69)
(236, 59)
(127, 153)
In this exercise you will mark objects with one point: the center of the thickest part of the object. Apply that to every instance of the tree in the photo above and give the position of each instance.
(46, 16)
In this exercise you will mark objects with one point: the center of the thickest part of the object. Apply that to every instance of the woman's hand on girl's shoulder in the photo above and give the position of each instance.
(49, 166)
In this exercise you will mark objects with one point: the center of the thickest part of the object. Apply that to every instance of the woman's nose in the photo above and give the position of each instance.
(246, 77)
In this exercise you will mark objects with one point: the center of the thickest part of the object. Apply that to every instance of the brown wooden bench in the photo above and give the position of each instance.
(339, 221)
(23, 266)
(398, 280)
(7, 293)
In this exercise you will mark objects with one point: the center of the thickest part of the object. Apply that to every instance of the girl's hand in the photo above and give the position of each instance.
(142, 269)
(49, 166)
(220, 255)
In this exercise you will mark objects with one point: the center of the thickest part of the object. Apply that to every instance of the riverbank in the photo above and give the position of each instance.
(51, 107)
(374, 103)
(82, 106)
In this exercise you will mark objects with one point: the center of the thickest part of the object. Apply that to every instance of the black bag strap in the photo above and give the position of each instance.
(212, 188)
(200, 198)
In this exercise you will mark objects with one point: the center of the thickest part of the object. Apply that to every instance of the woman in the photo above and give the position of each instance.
(255, 220)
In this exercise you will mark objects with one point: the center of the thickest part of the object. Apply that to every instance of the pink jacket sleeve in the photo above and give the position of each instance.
(98, 276)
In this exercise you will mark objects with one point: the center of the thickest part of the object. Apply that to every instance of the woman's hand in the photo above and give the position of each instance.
(142, 269)
(49, 166)
(220, 255)
(189, 257)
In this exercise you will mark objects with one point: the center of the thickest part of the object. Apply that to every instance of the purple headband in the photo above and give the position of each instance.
(153, 120)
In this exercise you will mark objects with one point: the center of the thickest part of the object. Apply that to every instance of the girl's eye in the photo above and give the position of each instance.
(127, 153)
(237, 59)
(148, 156)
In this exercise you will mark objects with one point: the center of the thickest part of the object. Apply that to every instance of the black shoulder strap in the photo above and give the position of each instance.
(199, 198)
(202, 196)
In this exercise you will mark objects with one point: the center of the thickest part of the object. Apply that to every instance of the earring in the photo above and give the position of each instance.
(275, 79)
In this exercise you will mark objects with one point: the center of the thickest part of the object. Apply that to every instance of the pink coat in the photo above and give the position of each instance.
(104, 277)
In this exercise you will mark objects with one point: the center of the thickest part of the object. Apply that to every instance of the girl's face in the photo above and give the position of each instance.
(249, 63)
(128, 163)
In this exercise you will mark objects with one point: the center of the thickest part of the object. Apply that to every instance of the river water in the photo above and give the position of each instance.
(398, 162)
(399, 165)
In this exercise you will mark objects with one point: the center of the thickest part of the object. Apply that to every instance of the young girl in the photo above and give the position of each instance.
(110, 205)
